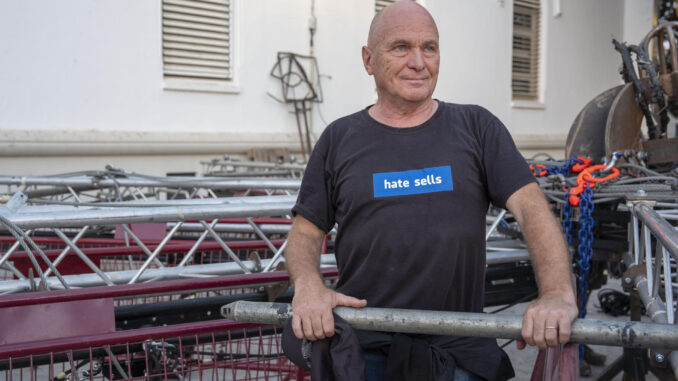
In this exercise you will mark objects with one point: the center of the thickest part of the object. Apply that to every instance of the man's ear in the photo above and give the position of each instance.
(367, 60)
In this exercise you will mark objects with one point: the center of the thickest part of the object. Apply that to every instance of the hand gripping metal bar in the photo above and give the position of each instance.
(584, 331)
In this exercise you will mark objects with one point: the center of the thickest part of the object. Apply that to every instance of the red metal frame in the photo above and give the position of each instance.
(236, 351)
(172, 246)
(128, 290)
(57, 345)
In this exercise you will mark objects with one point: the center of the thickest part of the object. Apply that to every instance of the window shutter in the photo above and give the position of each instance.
(196, 38)
(527, 3)
(525, 61)
(381, 4)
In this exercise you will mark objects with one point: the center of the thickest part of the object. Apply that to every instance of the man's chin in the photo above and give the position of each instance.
(417, 97)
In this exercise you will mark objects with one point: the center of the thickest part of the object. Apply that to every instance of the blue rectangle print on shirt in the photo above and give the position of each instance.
(416, 181)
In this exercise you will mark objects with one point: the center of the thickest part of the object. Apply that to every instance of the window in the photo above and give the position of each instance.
(196, 42)
(525, 63)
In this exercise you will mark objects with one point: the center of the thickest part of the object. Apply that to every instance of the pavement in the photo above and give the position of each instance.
(523, 361)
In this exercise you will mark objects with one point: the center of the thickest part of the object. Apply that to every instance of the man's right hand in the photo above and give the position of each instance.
(312, 306)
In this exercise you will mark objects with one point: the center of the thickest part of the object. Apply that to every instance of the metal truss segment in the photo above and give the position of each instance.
(224, 246)
(83, 257)
(154, 255)
(141, 244)
(67, 249)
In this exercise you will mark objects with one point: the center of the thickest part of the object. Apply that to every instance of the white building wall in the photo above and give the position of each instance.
(638, 14)
(81, 80)
(579, 63)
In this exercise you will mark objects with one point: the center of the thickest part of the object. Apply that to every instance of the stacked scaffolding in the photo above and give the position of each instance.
(163, 254)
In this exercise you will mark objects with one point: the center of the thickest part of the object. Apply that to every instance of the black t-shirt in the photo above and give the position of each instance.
(410, 204)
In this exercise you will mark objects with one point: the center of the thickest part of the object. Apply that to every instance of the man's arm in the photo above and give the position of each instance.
(313, 302)
(547, 320)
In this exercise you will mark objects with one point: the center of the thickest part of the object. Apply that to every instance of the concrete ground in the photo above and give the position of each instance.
(523, 361)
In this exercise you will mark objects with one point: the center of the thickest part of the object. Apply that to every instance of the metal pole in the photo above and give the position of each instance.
(256, 164)
(189, 254)
(224, 246)
(83, 257)
(43, 208)
(67, 250)
(121, 277)
(661, 229)
(261, 234)
(496, 222)
(585, 331)
(142, 246)
(155, 253)
(165, 273)
(166, 182)
(234, 228)
(114, 216)
(277, 255)
(657, 311)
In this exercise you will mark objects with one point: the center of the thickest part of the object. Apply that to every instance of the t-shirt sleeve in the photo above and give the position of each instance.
(314, 201)
(505, 168)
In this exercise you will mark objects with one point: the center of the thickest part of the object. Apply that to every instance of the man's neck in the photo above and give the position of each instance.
(403, 116)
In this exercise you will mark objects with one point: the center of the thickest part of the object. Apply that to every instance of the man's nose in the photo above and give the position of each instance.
(416, 59)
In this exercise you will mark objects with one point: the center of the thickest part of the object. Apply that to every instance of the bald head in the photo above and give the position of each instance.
(401, 10)
(402, 55)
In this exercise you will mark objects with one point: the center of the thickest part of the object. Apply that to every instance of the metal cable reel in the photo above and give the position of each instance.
(613, 120)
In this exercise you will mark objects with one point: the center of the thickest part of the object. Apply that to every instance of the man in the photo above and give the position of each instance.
(408, 181)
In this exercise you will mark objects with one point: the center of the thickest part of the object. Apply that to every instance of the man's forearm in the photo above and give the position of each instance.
(545, 242)
(547, 321)
(548, 251)
(303, 253)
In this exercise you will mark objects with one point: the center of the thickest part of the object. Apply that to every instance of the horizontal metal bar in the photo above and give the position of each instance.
(114, 216)
(166, 182)
(166, 273)
(111, 250)
(119, 337)
(665, 233)
(37, 208)
(584, 331)
(234, 228)
(255, 164)
(153, 288)
(497, 257)
(193, 271)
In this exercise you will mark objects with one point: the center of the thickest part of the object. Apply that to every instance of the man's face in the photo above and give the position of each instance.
(404, 58)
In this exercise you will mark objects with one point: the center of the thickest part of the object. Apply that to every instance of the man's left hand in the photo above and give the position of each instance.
(547, 321)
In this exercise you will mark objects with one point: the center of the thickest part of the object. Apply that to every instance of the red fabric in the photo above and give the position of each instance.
(557, 364)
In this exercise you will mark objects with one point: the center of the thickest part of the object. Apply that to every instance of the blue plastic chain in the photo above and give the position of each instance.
(564, 169)
(567, 219)
(584, 248)
(585, 235)
(585, 252)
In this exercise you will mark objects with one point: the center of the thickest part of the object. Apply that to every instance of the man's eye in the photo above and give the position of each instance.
(400, 48)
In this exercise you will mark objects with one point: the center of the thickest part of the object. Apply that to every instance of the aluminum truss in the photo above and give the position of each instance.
(97, 186)
(187, 229)
(135, 256)
(652, 268)
(229, 167)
